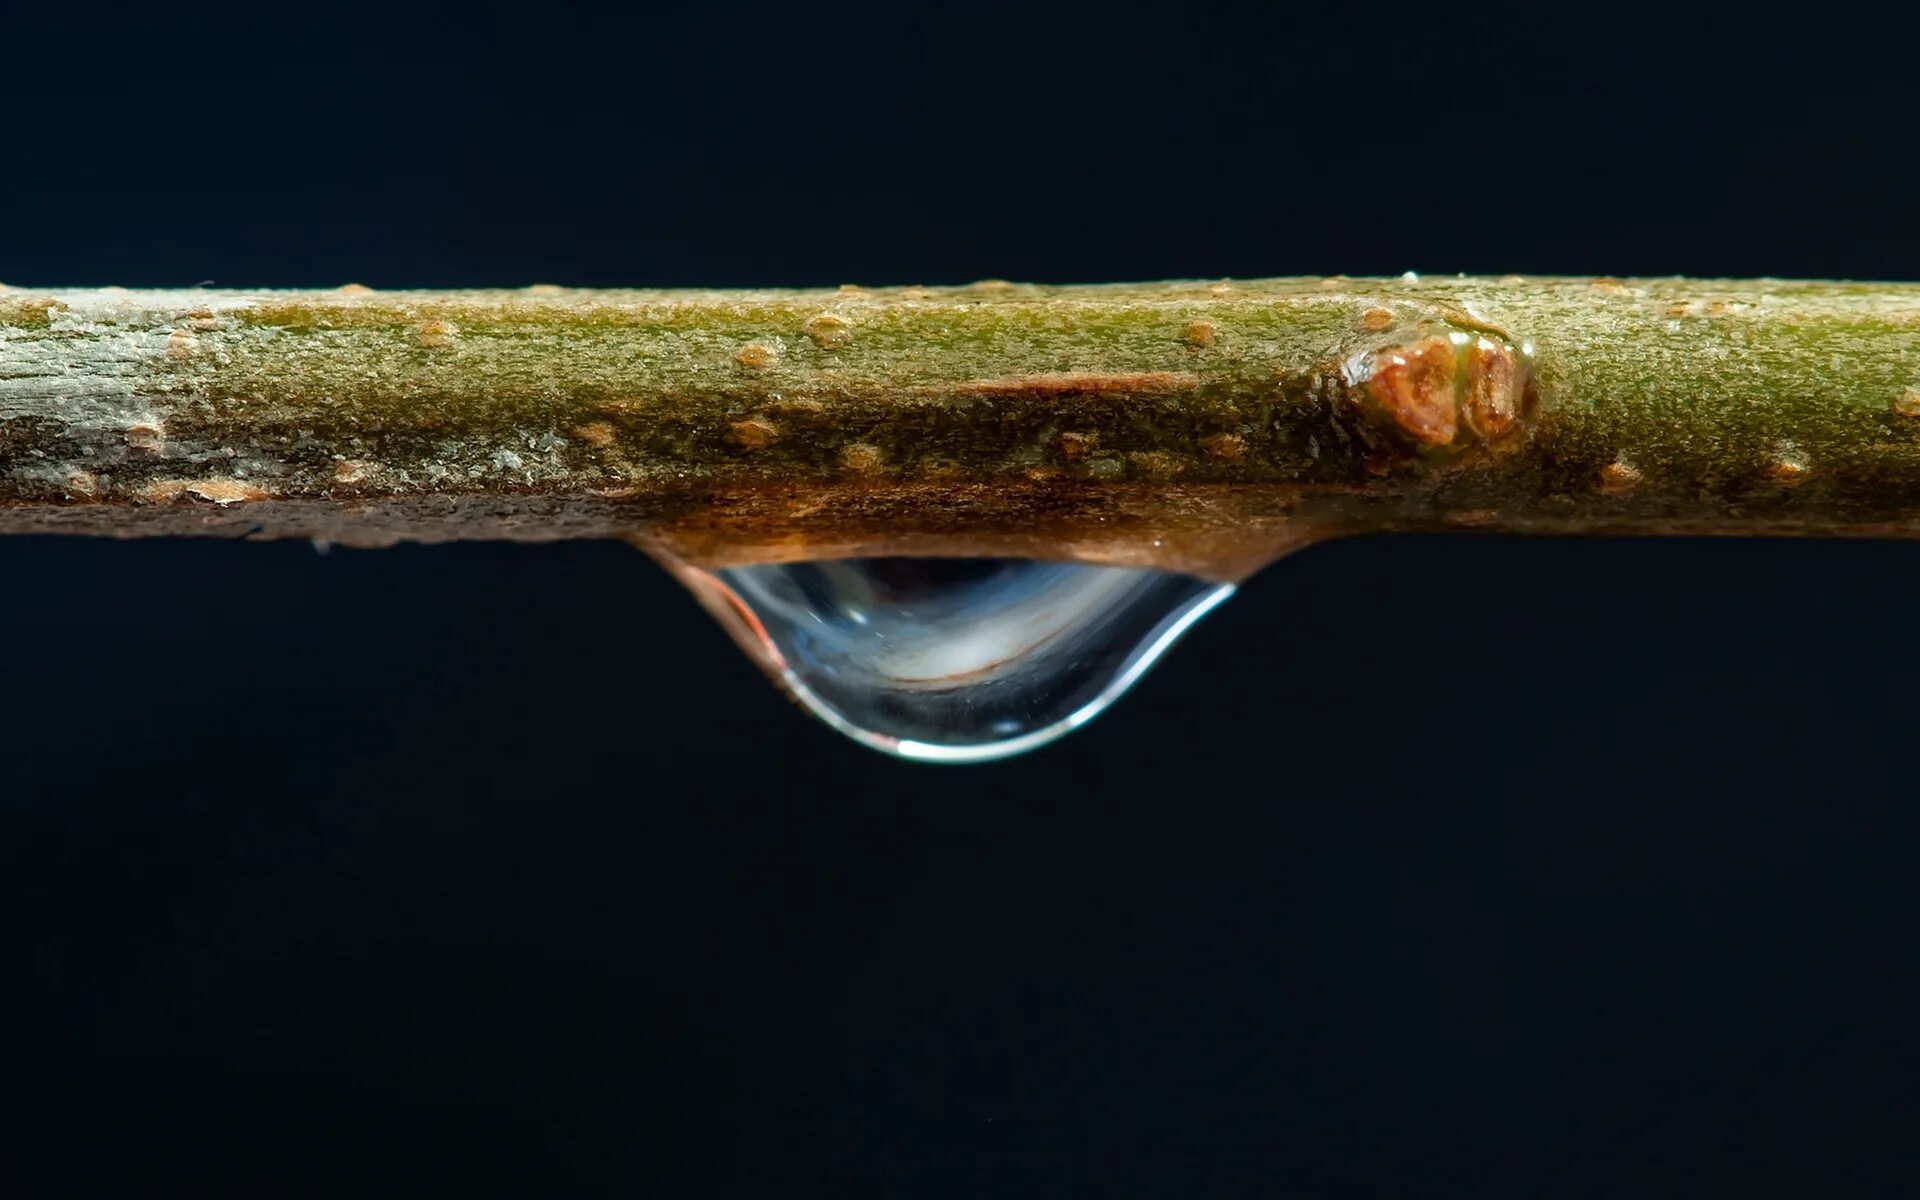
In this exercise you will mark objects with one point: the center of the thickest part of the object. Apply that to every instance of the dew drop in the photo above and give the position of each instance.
(953, 660)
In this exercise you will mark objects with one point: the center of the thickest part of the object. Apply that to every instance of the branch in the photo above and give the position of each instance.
(1192, 425)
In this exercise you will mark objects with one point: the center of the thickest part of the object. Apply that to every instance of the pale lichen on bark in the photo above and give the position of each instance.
(1191, 424)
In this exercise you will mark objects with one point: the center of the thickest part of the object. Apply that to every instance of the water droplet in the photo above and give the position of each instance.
(953, 659)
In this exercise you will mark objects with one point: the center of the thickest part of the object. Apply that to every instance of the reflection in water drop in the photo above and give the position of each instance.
(954, 659)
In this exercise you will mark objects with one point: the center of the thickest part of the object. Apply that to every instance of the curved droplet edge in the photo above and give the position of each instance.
(1169, 631)
(737, 618)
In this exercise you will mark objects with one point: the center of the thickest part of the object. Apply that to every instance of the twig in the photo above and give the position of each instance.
(1192, 425)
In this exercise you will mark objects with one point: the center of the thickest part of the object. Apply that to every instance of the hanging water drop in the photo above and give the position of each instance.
(953, 659)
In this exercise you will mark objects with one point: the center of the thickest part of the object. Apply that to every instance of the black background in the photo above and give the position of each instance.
(494, 869)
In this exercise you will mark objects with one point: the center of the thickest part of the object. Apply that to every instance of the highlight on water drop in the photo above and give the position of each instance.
(953, 660)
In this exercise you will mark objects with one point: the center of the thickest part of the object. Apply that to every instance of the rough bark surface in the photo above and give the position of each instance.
(1199, 425)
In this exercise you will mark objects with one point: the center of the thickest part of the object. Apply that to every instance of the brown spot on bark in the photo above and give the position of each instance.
(756, 355)
(33, 312)
(1619, 476)
(753, 433)
(1226, 447)
(595, 433)
(860, 457)
(1789, 468)
(1679, 308)
(219, 491)
(146, 439)
(1376, 319)
(348, 471)
(1412, 388)
(544, 289)
(435, 334)
(803, 406)
(1608, 285)
(1198, 334)
(353, 289)
(83, 485)
(1907, 403)
(1219, 289)
(829, 331)
(180, 344)
(916, 293)
(1074, 444)
(1074, 383)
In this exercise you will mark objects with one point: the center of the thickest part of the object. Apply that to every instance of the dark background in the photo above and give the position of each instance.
(495, 869)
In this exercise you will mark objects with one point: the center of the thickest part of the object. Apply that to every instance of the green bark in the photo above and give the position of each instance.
(1200, 425)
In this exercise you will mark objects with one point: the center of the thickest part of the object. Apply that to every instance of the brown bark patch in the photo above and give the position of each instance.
(219, 491)
(829, 331)
(30, 312)
(1619, 476)
(753, 433)
(756, 355)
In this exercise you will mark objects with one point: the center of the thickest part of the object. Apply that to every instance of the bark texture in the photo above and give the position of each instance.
(1205, 426)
